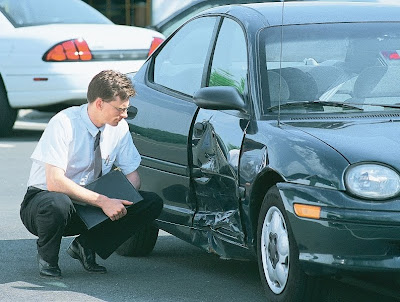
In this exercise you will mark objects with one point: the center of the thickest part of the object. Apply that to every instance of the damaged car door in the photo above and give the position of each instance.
(216, 143)
(166, 85)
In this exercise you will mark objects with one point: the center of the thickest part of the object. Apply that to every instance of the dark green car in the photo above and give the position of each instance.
(272, 132)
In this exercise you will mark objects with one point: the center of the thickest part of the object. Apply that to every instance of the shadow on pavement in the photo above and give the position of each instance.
(176, 271)
(23, 134)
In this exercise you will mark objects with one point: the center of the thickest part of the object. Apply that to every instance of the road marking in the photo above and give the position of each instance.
(6, 146)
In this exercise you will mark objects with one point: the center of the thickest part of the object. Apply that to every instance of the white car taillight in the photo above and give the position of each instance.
(154, 44)
(71, 50)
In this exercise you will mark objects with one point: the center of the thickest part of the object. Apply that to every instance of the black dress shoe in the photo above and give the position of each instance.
(86, 256)
(48, 270)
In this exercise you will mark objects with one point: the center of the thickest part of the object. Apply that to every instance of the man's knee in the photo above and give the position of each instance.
(150, 207)
(56, 205)
(154, 201)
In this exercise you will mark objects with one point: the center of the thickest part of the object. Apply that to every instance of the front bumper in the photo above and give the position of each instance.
(351, 234)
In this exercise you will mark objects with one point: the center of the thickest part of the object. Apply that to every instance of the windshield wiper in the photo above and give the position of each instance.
(396, 106)
(308, 104)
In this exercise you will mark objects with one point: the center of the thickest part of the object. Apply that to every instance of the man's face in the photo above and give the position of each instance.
(115, 111)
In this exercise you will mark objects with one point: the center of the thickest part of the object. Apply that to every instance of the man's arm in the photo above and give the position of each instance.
(58, 182)
(134, 179)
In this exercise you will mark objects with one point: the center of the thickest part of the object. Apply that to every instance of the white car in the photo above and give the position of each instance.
(50, 50)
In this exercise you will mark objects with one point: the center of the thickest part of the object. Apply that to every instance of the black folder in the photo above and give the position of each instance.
(113, 185)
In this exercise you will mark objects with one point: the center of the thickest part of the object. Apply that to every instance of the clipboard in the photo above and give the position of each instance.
(114, 185)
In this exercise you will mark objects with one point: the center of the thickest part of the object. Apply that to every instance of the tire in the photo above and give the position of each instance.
(8, 115)
(141, 244)
(278, 257)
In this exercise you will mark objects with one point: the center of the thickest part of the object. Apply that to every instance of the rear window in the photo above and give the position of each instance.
(38, 12)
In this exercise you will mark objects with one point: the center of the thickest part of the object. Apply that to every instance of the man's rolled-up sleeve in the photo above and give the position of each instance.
(128, 158)
(53, 146)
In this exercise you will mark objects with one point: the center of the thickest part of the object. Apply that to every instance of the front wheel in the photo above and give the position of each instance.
(278, 257)
(141, 244)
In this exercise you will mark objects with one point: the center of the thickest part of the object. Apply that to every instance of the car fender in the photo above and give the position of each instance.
(278, 154)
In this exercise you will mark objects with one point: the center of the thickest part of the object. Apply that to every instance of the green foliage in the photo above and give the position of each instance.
(221, 77)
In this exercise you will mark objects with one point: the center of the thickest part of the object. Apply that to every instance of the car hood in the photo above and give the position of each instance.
(372, 140)
(98, 36)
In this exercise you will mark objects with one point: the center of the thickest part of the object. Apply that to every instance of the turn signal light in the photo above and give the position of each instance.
(71, 50)
(307, 211)
(154, 44)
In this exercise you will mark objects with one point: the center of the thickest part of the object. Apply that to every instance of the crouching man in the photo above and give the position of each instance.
(80, 144)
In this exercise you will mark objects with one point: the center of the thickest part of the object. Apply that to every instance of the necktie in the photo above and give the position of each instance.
(97, 157)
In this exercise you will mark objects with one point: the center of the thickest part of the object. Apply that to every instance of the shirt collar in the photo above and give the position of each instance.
(87, 122)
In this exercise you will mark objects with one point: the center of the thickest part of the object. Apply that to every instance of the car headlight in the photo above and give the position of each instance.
(372, 181)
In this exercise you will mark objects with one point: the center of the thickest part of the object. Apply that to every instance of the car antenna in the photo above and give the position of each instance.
(280, 65)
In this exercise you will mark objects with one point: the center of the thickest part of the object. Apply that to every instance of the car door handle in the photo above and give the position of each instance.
(202, 180)
(196, 173)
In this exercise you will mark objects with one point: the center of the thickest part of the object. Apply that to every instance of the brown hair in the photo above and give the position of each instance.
(108, 84)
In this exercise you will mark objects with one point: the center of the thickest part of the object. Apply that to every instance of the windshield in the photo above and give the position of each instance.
(332, 67)
(38, 12)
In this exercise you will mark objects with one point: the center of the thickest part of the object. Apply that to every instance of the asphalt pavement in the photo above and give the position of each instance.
(175, 271)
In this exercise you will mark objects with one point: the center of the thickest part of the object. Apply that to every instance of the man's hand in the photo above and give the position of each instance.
(115, 208)
(58, 182)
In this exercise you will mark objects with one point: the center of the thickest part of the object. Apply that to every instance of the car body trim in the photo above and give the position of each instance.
(164, 166)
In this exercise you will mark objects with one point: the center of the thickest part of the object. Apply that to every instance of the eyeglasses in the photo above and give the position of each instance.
(120, 110)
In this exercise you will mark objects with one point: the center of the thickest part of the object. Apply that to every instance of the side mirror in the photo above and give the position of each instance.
(219, 98)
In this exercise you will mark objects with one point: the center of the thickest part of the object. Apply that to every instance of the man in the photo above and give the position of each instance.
(64, 161)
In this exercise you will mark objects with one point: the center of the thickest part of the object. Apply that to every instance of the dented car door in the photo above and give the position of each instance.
(216, 143)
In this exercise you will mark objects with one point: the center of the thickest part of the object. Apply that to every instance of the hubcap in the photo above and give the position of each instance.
(275, 250)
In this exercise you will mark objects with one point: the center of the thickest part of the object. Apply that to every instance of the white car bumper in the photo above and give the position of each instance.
(61, 83)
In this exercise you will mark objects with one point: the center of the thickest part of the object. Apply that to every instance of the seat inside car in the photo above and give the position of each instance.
(302, 86)
(327, 78)
(314, 82)
(278, 89)
(378, 84)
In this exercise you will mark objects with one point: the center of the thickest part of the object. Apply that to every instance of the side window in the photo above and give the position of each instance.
(229, 66)
(179, 65)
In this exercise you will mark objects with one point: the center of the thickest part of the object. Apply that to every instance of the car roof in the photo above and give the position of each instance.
(304, 12)
(197, 5)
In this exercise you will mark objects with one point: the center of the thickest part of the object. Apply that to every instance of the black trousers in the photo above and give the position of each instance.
(52, 215)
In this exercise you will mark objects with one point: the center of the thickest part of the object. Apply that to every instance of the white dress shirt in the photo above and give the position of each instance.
(68, 142)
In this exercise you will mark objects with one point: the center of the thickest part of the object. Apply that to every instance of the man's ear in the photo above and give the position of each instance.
(98, 103)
